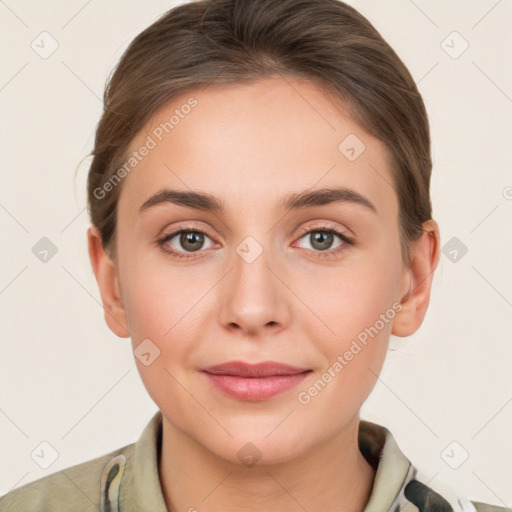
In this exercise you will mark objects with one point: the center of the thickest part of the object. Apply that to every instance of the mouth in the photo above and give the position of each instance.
(255, 382)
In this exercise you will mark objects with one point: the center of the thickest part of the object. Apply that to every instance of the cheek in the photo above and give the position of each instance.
(159, 299)
(165, 308)
(345, 301)
(354, 314)
(351, 339)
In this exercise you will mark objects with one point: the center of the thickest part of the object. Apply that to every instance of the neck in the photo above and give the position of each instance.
(329, 477)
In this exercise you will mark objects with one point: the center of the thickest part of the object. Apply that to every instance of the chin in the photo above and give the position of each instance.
(257, 449)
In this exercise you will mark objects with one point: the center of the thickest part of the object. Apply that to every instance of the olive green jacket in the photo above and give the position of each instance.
(126, 480)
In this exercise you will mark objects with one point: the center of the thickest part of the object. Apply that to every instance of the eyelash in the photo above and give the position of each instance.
(347, 242)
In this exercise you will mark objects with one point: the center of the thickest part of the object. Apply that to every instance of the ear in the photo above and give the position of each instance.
(108, 283)
(417, 279)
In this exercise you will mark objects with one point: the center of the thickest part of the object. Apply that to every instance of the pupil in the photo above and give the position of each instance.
(324, 238)
(191, 237)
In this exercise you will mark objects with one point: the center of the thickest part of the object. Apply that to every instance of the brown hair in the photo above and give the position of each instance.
(209, 42)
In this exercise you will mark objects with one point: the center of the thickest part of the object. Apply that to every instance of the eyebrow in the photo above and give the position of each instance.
(295, 201)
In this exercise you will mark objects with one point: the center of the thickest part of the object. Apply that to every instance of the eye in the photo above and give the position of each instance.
(184, 241)
(321, 239)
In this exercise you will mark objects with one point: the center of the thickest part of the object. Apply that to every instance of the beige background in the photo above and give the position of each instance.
(67, 380)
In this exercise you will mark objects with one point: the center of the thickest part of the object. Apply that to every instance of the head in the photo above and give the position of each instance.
(236, 136)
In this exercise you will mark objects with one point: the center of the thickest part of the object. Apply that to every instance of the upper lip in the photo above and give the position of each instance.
(264, 369)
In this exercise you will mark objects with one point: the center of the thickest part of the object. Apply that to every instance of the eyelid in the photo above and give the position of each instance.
(324, 227)
(302, 231)
(188, 226)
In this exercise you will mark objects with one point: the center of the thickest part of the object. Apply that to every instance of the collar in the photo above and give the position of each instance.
(130, 480)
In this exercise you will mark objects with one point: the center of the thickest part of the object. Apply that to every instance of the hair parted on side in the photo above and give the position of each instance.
(215, 42)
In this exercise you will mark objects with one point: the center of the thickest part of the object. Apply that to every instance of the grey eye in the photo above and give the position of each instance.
(321, 240)
(189, 241)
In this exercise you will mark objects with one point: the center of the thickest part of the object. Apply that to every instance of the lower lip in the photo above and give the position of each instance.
(255, 388)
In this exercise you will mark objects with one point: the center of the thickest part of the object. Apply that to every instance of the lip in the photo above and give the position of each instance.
(255, 382)
(243, 369)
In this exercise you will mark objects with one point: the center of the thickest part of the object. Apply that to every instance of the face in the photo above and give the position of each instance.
(314, 284)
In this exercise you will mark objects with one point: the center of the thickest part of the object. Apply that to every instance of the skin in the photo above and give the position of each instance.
(250, 145)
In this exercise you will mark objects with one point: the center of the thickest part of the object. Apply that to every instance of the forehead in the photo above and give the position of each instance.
(250, 144)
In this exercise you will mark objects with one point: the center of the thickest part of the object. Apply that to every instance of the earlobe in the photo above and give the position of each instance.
(418, 276)
(108, 283)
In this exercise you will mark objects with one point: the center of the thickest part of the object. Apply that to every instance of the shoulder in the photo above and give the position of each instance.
(484, 507)
(78, 485)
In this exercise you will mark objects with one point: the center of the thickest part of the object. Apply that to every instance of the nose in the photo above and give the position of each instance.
(253, 297)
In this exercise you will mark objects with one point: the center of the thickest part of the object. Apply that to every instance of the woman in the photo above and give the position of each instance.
(261, 224)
